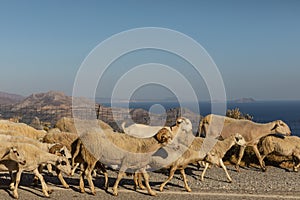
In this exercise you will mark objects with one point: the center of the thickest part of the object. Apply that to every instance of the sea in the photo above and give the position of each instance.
(262, 111)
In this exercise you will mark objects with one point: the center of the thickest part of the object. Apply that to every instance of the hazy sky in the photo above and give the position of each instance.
(255, 44)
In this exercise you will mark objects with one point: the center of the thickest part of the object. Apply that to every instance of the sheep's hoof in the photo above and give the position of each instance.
(115, 192)
(67, 186)
(152, 193)
(188, 189)
(12, 187)
(295, 169)
(161, 188)
(237, 168)
(50, 191)
(229, 181)
(16, 196)
(82, 191)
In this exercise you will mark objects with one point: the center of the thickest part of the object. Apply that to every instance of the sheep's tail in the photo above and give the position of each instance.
(123, 126)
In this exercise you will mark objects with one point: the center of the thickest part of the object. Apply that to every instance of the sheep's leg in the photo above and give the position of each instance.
(241, 154)
(74, 169)
(44, 185)
(102, 169)
(204, 171)
(49, 168)
(36, 179)
(263, 162)
(81, 179)
(225, 169)
(17, 181)
(185, 180)
(61, 178)
(146, 178)
(135, 180)
(140, 181)
(119, 177)
(12, 180)
(106, 180)
(296, 164)
(172, 172)
(255, 149)
(88, 174)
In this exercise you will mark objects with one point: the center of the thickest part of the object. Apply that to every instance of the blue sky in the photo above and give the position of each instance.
(255, 44)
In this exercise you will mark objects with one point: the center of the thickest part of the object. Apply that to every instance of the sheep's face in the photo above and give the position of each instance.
(63, 164)
(185, 124)
(239, 139)
(164, 136)
(14, 154)
(65, 152)
(281, 127)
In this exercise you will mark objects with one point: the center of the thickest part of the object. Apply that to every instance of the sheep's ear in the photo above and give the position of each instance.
(6, 152)
(62, 151)
(179, 121)
(276, 126)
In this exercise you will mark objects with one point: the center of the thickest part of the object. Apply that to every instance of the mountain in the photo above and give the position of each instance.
(7, 98)
(51, 100)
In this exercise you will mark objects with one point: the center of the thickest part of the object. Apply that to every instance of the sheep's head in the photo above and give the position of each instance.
(239, 139)
(184, 123)
(164, 136)
(14, 154)
(63, 164)
(281, 127)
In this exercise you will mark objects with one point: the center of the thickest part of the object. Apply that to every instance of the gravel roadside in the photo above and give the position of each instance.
(250, 183)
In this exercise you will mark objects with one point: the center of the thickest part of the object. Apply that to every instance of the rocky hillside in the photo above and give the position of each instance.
(49, 107)
(7, 98)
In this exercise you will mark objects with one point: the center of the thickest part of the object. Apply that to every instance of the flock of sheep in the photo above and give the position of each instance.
(138, 150)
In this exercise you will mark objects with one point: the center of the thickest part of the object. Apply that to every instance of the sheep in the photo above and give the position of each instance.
(20, 129)
(82, 155)
(287, 146)
(140, 130)
(217, 153)
(251, 131)
(51, 148)
(127, 152)
(34, 158)
(191, 154)
(66, 124)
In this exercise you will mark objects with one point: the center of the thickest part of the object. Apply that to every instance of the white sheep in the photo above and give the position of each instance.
(34, 158)
(140, 130)
(287, 146)
(20, 129)
(251, 131)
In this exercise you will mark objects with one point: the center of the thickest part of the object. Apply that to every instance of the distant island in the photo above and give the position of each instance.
(243, 100)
